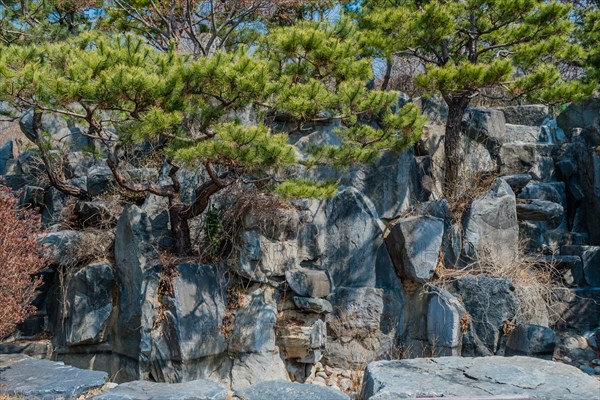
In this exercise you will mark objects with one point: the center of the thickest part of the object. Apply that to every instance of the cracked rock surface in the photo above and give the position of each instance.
(456, 376)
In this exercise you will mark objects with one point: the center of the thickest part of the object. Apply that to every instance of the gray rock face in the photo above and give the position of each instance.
(144, 390)
(414, 244)
(472, 377)
(517, 181)
(490, 301)
(135, 263)
(277, 390)
(590, 256)
(580, 115)
(531, 114)
(6, 153)
(444, 315)
(531, 340)
(190, 329)
(45, 380)
(347, 235)
(89, 298)
(98, 180)
(260, 258)
(539, 210)
(308, 304)
(521, 133)
(490, 227)
(68, 248)
(309, 282)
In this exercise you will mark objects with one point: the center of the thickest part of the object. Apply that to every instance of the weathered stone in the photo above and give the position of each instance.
(254, 323)
(89, 304)
(414, 244)
(532, 341)
(78, 163)
(32, 196)
(444, 317)
(260, 258)
(518, 181)
(354, 327)
(98, 180)
(278, 224)
(527, 157)
(276, 390)
(309, 282)
(349, 237)
(300, 342)
(6, 153)
(539, 210)
(390, 183)
(490, 226)
(69, 248)
(191, 328)
(476, 377)
(521, 134)
(580, 115)
(40, 349)
(95, 214)
(530, 114)
(490, 301)
(145, 390)
(590, 256)
(136, 262)
(46, 380)
(309, 304)
(251, 368)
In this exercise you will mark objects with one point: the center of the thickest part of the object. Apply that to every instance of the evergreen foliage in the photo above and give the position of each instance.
(127, 92)
(466, 46)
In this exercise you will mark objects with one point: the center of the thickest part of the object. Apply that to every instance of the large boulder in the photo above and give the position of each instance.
(490, 301)
(414, 244)
(309, 282)
(446, 318)
(501, 377)
(189, 330)
(490, 226)
(580, 115)
(46, 380)
(145, 390)
(136, 263)
(532, 341)
(278, 390)
(539, 210)
(590, 256)
(530, 114)
(89, 304)
(343, 236)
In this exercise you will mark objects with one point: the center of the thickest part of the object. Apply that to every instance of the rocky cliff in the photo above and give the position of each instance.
(385, 269)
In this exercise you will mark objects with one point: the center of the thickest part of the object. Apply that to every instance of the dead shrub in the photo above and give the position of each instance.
(20, 259)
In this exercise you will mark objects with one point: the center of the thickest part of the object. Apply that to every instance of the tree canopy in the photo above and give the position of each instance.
(467, 46)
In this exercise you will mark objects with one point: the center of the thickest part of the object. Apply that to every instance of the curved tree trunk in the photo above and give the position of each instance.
(454, 156)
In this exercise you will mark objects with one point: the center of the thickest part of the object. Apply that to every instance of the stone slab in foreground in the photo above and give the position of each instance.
(483, 377)
(144, 390)
(21, 375)
(281, 390)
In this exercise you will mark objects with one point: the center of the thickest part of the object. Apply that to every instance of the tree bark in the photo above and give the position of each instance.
(388, 74)
(180, 229)
(454, 155)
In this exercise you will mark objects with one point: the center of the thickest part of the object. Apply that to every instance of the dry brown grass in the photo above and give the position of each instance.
(533, 278)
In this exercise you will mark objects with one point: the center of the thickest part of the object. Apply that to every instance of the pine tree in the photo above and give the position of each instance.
(126, 93)
(467, 46)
